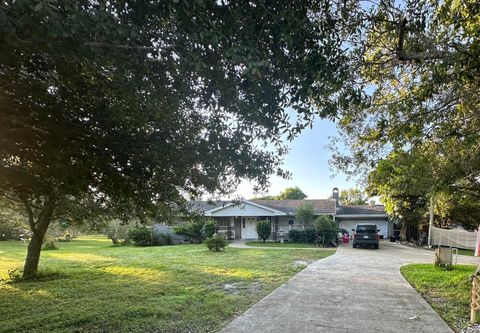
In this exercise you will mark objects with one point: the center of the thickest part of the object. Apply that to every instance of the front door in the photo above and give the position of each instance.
(237, 225)
(249, 228)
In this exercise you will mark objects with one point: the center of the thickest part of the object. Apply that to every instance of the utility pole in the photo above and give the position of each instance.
(430, 224)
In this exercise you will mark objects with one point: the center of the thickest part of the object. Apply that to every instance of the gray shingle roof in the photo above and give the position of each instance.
(360, 209)
(204, 206)
(320, 206)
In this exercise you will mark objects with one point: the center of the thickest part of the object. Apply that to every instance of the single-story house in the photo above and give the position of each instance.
(238, 220)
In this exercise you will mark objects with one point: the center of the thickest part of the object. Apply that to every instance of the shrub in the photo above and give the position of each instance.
(49, 245)
(167, 239)
(209, 228)
(15, 274)
(216, 243)
(163, 239)
(264, 229)
(309, 235)
(326, 229)
(6, 232)
(192, 230)
(295, 236)
(141, 236)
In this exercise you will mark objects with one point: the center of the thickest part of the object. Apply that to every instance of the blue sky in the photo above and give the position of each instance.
(308, 163)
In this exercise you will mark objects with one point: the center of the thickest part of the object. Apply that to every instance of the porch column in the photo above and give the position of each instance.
(274, 227)
(230, 225)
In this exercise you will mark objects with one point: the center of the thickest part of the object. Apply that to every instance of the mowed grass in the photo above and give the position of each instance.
(466, 252)
(278, 244)
(448, 292)
(90, 286)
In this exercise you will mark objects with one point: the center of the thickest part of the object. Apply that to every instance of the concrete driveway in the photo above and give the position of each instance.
(355, 290)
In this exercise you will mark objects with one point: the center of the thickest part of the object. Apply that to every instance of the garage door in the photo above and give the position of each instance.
(381, 225)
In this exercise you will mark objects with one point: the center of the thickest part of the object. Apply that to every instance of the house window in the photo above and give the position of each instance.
(243, 222)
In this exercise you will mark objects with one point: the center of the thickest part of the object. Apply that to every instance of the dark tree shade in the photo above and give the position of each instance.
(135, 106)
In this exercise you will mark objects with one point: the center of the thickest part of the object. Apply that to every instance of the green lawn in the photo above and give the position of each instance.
(90, 286)
(278, 244)
(448, 292)
(466, 252)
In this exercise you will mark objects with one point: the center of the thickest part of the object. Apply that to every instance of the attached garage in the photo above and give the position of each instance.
(349, 216)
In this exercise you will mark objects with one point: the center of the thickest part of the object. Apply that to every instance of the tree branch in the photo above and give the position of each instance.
(127, 47)
(33, 127)
(31, 220)
(429, 55)
(411, 56)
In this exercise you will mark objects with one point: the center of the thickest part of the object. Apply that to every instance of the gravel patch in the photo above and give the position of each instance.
(475, 328)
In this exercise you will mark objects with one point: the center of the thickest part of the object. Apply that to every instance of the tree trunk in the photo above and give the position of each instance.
(39, 229)
(33, 256)
(403, 231)
(114, 240)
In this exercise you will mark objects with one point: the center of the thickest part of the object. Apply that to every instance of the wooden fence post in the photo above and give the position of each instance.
(475, 299)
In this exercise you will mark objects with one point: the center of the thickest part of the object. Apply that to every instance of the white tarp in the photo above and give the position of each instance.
(457, 237)
(477, 246)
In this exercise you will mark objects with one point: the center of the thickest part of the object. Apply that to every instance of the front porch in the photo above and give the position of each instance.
(239, 220)
(244, 227)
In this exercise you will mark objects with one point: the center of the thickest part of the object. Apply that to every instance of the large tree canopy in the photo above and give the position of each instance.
(292, 193)
(418, 63)
(353, 196)
(408, 180)
(135, 106)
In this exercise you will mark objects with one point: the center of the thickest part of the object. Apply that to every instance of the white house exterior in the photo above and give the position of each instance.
(238, 220)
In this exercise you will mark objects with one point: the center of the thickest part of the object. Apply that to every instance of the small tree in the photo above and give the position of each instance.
(264, 229)
(117, 232)
(327, 229)
(305, 214)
